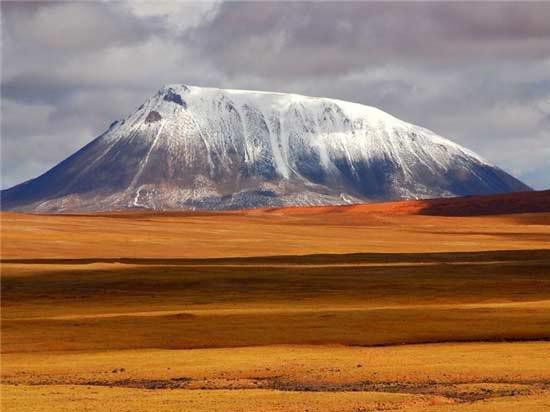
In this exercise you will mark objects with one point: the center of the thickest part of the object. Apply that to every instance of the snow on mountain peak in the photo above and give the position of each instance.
(197, 147)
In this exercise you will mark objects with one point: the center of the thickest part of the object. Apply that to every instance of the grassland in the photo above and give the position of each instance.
(323, 309)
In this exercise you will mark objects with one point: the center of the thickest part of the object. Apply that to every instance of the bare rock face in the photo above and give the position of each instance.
(201, 148)
(153, 117)
(171, 96)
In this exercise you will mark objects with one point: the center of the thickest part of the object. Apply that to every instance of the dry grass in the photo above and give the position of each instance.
(264, 233)
(220, 304)
(133, 321)
(462, 377)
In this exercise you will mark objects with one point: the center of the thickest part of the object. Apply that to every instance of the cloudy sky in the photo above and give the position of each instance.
(477, 73)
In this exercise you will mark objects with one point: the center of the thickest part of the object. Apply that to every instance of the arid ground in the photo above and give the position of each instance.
(419, 306)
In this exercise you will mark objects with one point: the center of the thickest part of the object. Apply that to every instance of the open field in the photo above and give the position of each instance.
(320, 309)
(351, 300)
(354, 229)
(449, 377)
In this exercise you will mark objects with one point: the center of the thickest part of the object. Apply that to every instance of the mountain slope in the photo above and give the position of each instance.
(190, 147)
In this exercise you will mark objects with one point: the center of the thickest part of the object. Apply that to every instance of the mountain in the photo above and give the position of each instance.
(203, 148)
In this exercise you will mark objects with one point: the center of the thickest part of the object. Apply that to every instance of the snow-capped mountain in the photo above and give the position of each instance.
(203, 148)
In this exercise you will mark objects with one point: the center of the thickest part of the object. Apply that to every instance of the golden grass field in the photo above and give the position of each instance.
(359, 308)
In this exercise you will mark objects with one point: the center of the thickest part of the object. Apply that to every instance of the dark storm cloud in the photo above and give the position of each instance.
(478, 73)
(43, 39)
(73, 25)
(301, 39)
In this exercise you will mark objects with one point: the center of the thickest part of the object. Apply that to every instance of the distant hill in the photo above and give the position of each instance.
(508, 203)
